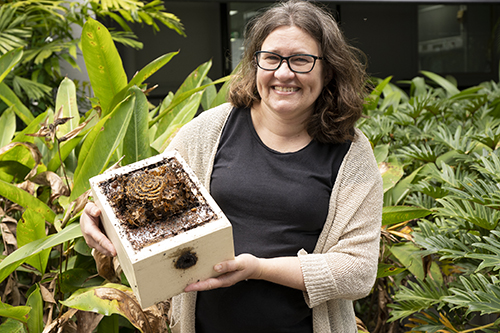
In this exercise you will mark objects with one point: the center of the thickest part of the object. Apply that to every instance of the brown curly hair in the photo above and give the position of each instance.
(340, 103)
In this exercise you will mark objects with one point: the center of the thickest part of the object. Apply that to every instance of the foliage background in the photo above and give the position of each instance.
(437, 148)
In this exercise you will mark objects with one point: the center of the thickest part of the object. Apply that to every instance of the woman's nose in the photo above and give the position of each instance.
(284, 70)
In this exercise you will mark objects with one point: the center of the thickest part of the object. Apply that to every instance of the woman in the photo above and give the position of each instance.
(298, 182)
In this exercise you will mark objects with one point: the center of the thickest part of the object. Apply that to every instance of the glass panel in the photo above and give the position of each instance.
(455, 38)
(240, 13)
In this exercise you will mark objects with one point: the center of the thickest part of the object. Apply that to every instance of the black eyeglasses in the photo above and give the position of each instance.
(298, 63)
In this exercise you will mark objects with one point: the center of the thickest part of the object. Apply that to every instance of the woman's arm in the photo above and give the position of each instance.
(283, 270)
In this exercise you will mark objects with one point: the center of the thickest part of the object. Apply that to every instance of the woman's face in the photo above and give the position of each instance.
(283, 91)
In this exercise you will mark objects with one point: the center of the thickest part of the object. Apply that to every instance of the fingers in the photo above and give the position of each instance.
(95, 238)
(243, 267)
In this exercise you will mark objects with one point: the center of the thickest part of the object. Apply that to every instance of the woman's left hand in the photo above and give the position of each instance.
(283, 270)
(245, 266)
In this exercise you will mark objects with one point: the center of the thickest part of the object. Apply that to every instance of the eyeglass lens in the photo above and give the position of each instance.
(301, 63)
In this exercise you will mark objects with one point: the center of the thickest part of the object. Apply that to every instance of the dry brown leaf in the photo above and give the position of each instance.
(128, 307)
(11, 289)
(27, 186)
(87, 321)
(105, 266)
(9, 236)
(71, 134)
(47, 295)
(60, 323)
(57, 186)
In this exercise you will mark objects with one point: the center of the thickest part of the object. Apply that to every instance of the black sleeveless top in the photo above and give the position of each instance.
(277, 204)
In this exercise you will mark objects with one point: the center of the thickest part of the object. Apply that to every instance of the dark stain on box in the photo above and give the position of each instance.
(186, 259)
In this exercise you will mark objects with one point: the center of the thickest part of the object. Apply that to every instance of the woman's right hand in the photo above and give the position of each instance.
(95, 238)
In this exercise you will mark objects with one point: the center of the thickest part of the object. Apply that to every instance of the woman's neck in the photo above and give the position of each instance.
(279, 133)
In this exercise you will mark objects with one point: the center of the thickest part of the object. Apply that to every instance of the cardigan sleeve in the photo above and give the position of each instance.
(344, 264)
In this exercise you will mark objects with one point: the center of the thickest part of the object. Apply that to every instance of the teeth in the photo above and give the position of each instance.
(285, 89)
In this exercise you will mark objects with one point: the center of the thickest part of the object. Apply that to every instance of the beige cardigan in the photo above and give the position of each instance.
(343, 265)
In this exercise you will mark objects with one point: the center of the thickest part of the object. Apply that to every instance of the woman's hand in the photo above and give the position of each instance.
(285, 271)
(95, 238)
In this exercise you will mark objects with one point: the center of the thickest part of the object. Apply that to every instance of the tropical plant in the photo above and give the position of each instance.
(438, 151)
(48, 277)
(46, 30)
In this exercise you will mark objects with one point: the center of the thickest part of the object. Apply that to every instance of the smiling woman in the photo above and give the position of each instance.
(298, 182)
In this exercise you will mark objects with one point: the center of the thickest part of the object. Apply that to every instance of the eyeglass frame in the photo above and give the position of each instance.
(256, 56)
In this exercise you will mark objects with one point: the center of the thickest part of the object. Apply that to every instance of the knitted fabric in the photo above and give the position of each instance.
(343, 266)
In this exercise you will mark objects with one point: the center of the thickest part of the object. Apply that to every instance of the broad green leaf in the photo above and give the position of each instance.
(11, 262)
(107, 300)
(192, 82)
(7, 126)
(208, 95)
(76, 278)
(103, 63)
(66, 99)
(408, 254)
(388, 270)
(24, 199)
(401, 189)
(374, 97)
(182, 117)
(10, 98)
(178, 99)
(136, 140)
(221, 97)
(8, 61)
(100, 145)
(12, 326)
(143, 75)
(381, 152)
(31, 227)
(391, 174)
(35, 320)
(15, 312)
(397, 214)
(33, 127)
(67, 148)
(109, 324)
(444, 83)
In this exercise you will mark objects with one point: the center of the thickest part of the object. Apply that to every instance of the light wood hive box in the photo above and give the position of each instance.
(159, 269)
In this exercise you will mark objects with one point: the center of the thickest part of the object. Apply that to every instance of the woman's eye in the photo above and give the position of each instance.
(300, 60)
(272, 58)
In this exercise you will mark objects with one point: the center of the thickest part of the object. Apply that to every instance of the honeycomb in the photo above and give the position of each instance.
(156, 202)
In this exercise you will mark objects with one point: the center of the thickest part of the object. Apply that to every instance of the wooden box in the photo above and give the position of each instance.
(166, 255)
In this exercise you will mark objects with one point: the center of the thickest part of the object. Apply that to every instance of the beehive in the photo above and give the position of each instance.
(167, 230)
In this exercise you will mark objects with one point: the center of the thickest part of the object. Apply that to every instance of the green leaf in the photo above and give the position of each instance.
(397, 214)
(150, 69)
(35, 320)
(10, 98)
(24, 199)
(11, 262)
(445, 84)
(74, 279)
(182, 95)
(31, 227)
(408, 254)
(109, 324)
(7, 126)
(15, 312)
(388, 270)
(100, 145)
(181, 118)
(12, 326)
(381, 152)
(103, 63)
(136, 140)
(66, 99)
(8, 61)
(401, 189)
(391, 174)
